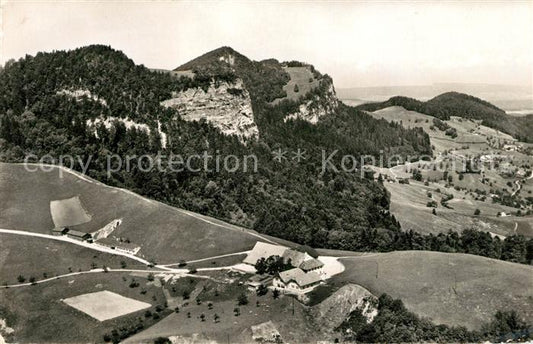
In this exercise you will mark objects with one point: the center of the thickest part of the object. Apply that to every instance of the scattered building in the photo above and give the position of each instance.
(59, 231)
(71, 233)
(510, 148)
(521, 173)
(258, 280)
(77, 234)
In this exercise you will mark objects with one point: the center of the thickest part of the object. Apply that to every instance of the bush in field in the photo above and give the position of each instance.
(275, 294)
(262, 290)
(242, 299)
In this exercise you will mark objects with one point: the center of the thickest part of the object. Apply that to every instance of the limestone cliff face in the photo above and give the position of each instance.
(318, 106)
(225, 105)
(331, 312)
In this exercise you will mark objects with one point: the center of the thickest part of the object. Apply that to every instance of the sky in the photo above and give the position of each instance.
(358, 43)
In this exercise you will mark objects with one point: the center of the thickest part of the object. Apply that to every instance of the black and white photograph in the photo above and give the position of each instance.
(296, 171)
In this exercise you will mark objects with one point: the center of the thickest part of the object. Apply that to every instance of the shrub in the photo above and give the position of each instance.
(242, 299)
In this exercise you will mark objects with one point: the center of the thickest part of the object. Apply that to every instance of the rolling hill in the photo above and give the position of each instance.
(452, 289)
(462, 105)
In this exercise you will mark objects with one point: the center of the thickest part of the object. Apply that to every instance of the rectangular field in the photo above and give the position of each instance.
(105, 305)
(68, 212)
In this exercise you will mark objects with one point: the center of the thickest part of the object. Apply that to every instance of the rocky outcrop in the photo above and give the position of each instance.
(318, 106)
(266, 332)
(80, 94)
(109, 121)
(4, 330)
(331, 312)
(225, 105)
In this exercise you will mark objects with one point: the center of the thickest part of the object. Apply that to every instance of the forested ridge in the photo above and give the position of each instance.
(463, 105)
(291, 199)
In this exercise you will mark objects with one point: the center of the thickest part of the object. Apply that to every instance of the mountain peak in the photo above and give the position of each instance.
(223, 54)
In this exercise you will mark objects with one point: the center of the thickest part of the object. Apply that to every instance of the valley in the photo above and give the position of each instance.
(488, 198)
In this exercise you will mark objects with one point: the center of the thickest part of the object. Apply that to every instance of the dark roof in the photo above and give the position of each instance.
(294, 256)
(77, 233)
(311, 264)
(260, 278)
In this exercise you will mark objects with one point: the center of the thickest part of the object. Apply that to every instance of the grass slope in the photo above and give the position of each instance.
(165, 234)
(303, 78)
(27, 256)
(409, 206)
(293, 327)
(452, 289)
(38, 315)
(468, 132)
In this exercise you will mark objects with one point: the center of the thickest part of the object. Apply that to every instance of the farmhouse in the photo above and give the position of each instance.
(296, 281)
(121, 246)
(302, 260)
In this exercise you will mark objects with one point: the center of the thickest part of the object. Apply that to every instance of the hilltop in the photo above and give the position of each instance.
(268, 82)
(450, 104)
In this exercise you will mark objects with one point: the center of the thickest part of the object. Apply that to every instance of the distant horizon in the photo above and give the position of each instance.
(359, 44)
(434, 83)
(443, 83)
